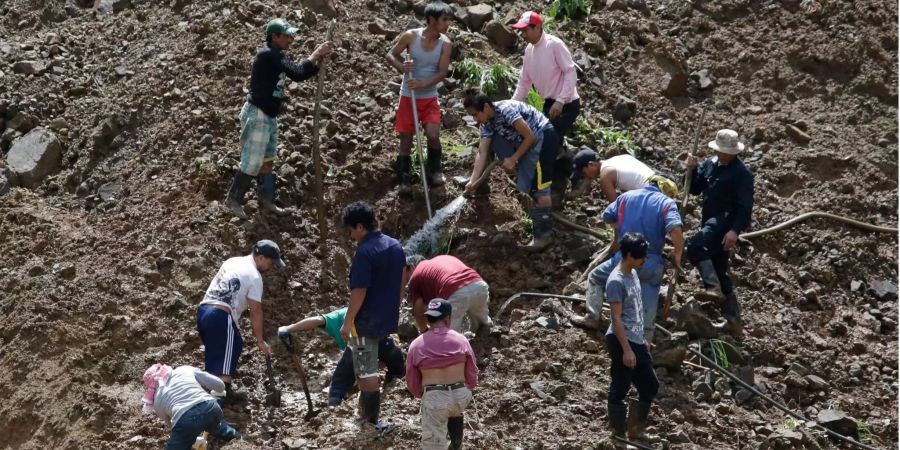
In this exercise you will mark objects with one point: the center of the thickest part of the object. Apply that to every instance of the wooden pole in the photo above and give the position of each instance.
(317, 155)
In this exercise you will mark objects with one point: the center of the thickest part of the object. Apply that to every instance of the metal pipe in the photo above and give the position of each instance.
(415, 111)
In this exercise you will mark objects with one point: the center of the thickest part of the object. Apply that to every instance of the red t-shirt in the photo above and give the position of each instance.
(440, 277)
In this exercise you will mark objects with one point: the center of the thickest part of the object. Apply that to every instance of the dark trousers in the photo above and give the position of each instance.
(343, 378)
(641, 375)
(566, 119)
(707, 244)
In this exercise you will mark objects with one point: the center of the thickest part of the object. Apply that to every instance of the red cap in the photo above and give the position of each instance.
(528, 18)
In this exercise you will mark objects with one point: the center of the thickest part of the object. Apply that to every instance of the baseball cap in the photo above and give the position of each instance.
(280, 26)
(581, 160)
(528, 18)
(438, 309)
(270, 250)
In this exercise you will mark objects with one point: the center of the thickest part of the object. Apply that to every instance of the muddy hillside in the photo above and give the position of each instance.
(110, 242)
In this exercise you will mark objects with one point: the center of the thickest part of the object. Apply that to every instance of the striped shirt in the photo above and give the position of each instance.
(506, 112)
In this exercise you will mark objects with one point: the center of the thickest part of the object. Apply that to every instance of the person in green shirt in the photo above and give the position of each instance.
(343, 378)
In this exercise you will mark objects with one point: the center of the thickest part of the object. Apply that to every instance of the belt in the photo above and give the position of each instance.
(444, 387)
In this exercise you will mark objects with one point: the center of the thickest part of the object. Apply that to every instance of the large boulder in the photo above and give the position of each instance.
(477, 15)
(500, 35)
(838, 422)
(105, 6)
(33, 157)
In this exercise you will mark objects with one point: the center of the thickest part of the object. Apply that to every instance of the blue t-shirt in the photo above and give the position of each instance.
(506, 112)
(647, 211)
(626, 289)
(378, 267)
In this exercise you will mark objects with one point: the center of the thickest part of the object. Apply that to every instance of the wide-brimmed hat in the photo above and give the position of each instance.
(727, 142)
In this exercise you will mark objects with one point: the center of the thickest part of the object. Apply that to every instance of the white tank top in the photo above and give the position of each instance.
(631, 174)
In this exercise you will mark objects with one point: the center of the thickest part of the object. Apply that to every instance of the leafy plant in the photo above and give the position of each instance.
(719, 354)
(496, 81)
(568, 9)
(534, 99)
(604, 137)
(866, 436)
(526, 223)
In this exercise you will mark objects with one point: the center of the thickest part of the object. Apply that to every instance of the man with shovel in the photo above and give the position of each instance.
(429, 51)
(259, 127)
(727, 188)
(342, 380)
(376, 283)
(445, 276)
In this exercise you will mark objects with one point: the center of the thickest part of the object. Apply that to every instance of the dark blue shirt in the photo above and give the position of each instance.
(267, 78)
(727, 192)
(647, 211)
(378, 267)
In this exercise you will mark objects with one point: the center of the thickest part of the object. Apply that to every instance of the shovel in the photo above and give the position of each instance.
(273, 397)
(288, 341)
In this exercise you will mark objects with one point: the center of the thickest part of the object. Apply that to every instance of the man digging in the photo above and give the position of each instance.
(259, 126)
(727, 188)
(620, 173)
(237, 285)
(429, 50)
(445, 276)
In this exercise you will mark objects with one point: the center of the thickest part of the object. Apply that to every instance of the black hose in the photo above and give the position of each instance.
(709, 361)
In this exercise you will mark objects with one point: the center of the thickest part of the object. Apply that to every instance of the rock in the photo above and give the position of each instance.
(33, 157)
(674, 84)
(294, 444)
(797, 134)
(624, 109)
(690, 318)
(451, 119)
(106, 6)
(620, 5)
(540, 389)
(29, 67)
(704, 79)
(111, 192)
(816, 383)
(104, 136)
(323, 7)
(478, 15)
(165, 264)
(701, 389)
(547, 322)
(58, 123)
(743, 396)
(22, 122)
(883, 290)
(66, 272)
(461, 14)
(500, 35)
(856, 286)
(4, 185)
(838, 422)
(670, 353)
(379, 27)
(407, 331)
(206, 140)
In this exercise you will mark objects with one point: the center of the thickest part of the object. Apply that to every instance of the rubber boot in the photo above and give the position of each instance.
(455, 428)
(227, 432)
(370, 406)
(233, 396)
(267, 185)
(638, 412)
(731, 311)
(236, 193)
(402, 168)
(617, 415)
(542, 228)
(712, 287)
(435, 171)
(595, 297)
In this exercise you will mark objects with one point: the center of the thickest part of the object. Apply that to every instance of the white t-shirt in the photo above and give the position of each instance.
(631, 174)
(237, 281)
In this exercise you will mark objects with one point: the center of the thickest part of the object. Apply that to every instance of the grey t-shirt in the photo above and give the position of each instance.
(183, 389)
(626, 289)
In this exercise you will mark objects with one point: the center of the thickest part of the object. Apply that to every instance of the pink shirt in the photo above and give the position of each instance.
(549, 67)
(436, 348)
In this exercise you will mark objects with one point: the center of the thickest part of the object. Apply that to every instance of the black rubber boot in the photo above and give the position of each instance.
(233, 396)
(731, 311)
(239, 187)
(370, 405)
(455, 428)
(267, 184)
(638, 412)
(402, 168)
(617, 415)
(712, 287)
(435, 170)
(542, 228)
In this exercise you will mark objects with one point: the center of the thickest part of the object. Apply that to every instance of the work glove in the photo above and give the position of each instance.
(283, 332)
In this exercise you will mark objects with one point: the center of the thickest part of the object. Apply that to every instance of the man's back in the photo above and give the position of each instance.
(440, 277)
(378, 267)
(647, 211)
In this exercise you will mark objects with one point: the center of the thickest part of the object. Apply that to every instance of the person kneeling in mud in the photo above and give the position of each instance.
(631, 360)
(343, 379)
(528, 144)
(179, 396)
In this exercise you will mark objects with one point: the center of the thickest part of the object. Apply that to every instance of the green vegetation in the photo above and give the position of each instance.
(534, 99)
(718, 350)
(497, 81)
(866, 436)
(526, 223)
(568, 9)
(597, 137)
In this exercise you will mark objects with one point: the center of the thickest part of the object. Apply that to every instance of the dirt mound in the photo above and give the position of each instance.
(106, 259)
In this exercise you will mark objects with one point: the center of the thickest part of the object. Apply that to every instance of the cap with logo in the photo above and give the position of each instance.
(270, 250)
(280, 26)
(528, 19)
(438, 309)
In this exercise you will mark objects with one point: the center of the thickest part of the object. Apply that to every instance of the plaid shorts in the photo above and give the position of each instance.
(259, 139)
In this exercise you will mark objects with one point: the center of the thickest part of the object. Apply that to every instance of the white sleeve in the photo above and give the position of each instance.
(208, 381)
(254, 291)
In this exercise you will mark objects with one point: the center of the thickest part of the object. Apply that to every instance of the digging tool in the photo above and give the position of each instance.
(273, 397)
(289, 343)
(415, 111)
(317, 155)
(485, 175)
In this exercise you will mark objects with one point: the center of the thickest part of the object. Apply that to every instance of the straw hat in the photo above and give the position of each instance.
(727, 142)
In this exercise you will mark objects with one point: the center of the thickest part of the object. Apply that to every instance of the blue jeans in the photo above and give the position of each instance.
(206, 416)
(650, 275)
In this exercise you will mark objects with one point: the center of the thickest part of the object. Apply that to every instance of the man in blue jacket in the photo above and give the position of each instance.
(259, 127)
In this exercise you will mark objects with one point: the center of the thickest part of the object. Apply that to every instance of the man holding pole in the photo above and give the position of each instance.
(429, 50)
(259, 127)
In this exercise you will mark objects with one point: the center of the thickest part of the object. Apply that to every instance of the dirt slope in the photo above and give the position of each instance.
(144, 100)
